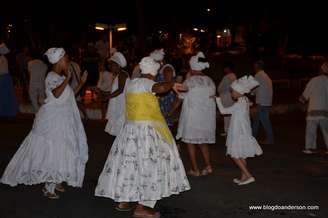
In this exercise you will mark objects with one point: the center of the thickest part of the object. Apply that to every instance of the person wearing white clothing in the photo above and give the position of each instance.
(116, 106)
(264, 95)
(144, 164)
(225, 94)
(316, 95)
(55, 150)
(37, 70)
(197, 123)
(240, 142)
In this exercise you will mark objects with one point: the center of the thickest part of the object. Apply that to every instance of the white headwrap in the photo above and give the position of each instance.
(55, 54)
(324, 67)
(244, 85)
(149, 66)
(118, 58)
(158, 54)
(112, 51)
(195, 64)
(3, 49)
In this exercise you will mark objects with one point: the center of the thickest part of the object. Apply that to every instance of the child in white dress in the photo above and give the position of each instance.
(56, 149)
(240, 142)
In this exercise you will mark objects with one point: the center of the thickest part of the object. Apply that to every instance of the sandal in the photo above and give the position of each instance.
(60, 188)
(123, 208)
(208, 170)
(194, 173)
(52, 196)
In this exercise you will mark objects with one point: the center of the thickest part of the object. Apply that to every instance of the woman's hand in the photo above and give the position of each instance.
(178, 87)
(84, 77)
(214, 97)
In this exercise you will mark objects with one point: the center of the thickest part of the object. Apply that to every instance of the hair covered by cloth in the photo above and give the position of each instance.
(149, 66)
(158, 54)
(118, 58)
(55, 54)
(197, 65)
(244, 85)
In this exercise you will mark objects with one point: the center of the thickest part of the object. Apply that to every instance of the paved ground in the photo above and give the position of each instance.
(284, 177)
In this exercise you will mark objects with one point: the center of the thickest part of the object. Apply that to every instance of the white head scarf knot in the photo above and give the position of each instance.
(158, 54)
(324, 67)
(3, 49)
(55, 54)
(118, 58)
(149, 66)
(244, 85)
(195, 64)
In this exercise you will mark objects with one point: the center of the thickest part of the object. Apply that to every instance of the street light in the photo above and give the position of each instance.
(111, 28)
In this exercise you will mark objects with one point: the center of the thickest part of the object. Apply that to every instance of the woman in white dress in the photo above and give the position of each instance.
(144, 164)
(240, 142)
(104, 85)
(197, 123)
(116, 106)
(56, 149)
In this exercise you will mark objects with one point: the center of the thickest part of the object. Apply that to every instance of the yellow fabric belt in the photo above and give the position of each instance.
(144, 106)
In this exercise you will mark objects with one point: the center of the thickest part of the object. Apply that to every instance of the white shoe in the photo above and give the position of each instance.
(307, 151)
(235, 180)
(247, 181)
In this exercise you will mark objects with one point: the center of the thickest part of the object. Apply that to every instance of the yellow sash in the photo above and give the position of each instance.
(144, 106)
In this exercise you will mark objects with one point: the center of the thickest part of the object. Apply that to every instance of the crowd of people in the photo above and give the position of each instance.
(144, 163)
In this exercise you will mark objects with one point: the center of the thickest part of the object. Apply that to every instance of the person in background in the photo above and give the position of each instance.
(116, 105)
(225, 93)
(264, 95)
(8, 102)
(316, 95)
(105, 83)
(37, 70)
(55, 150)
(144, 164)
(21, 63)
(166, 74)
(197, 123)
(240, 142)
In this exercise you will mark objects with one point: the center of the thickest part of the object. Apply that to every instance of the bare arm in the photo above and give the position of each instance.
(177, 102)
(223, 110)
(162, 87)
(60, 89)
(122, 77)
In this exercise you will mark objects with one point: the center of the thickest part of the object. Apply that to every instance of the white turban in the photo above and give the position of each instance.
(324, 67)
(158, 54)
(3, 49)
(195, 64)
(112, 51)
(55, 54)
(118, 58)
(149, 66)
(244, 85)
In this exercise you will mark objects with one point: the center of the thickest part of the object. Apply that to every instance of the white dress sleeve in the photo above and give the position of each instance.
(225, 110)
(148, 85)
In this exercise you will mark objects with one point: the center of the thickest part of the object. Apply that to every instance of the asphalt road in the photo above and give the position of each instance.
(284, 176)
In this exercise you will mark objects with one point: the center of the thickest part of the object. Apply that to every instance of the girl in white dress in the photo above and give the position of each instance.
(56, 149)
(116, 106)
(240, 142)
(197, 121)
(144, 164)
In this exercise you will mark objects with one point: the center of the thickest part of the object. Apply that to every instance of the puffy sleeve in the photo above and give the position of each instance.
(225, 110)
(148, 85)
(53, 82)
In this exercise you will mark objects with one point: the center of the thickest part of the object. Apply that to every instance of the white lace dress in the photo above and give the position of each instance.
(141, 165)
(240, 141)
(116, 110)
(56, 148)
(197, 123)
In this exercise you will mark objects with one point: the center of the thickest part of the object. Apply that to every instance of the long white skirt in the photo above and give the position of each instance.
(141, 166)
(54, 151)
(244, 146)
